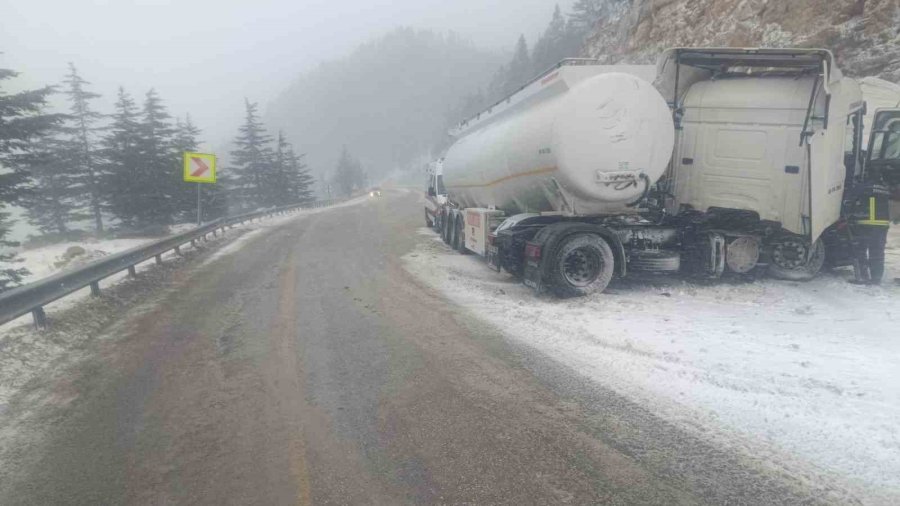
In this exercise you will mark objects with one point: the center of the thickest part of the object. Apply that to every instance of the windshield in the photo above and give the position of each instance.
(886, 141)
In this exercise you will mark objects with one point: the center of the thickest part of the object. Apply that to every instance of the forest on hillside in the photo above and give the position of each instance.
(388, 105)
(82, 172)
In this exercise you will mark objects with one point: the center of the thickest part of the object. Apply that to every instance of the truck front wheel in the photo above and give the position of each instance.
(791, 259)
(428, 221)
(582, 264)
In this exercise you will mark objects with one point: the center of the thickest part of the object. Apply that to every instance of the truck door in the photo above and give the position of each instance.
(883, 155)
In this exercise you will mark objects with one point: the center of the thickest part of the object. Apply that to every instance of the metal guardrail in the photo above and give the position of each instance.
(32, 298)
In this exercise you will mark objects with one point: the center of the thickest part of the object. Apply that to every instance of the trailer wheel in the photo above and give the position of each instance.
(459, 237)
(445, 227)
(790, 260)
(582, 264)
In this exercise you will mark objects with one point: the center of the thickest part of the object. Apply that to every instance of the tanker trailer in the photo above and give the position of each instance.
(588, 172)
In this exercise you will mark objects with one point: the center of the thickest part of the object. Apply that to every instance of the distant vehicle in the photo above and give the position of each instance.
(375, 192)
(731, 161)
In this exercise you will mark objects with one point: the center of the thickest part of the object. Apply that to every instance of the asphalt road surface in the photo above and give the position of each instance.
(310, 368)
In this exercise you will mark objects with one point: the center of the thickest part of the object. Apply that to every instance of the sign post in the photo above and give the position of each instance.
(199, 168)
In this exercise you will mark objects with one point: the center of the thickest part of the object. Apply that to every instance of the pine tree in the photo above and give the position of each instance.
(157, 196)
(585, 14)
(519, 69)
(555, 44)
(279, 185)
(122, 155)
(82, 130)
(252, 159)
(299, 179)
(348, 174)
(55, 196)
(21, 121)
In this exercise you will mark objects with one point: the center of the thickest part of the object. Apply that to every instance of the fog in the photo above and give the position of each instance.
(204, 56)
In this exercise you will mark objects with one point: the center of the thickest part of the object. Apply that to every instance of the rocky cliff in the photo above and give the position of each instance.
(863, 34)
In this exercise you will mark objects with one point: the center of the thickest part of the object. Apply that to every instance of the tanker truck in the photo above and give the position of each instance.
(713, 162)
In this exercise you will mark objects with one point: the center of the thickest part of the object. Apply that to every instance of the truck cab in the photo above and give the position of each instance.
(435, 194)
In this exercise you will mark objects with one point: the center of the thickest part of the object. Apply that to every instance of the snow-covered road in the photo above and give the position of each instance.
(801, 376)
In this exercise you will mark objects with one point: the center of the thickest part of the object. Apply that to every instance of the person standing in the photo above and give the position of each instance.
(869, 224)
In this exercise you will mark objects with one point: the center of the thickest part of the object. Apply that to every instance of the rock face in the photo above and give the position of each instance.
(863, 34)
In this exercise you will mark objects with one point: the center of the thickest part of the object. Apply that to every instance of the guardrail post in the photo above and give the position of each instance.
(214, 233)
(177, 250)
(132, 271)
(40, 317)
(158, 259)
(95, 289)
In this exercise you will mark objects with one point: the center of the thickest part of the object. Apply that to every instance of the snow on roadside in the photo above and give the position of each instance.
(46, 260)
(802, 375)
(25, 354)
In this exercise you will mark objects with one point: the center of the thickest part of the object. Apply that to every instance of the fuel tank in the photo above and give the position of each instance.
(580, 140)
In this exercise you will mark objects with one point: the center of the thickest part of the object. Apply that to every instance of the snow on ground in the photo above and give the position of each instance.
(804, 376)
(50, 259)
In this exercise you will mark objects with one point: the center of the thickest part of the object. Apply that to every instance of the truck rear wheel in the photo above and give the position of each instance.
(445, 227)
(459, 237)
(582, 264)
(791, 259)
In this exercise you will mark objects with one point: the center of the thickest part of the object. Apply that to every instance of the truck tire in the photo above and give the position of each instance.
(445, 227)
(428, 221)
(459, 237)
(786, 264)
(582, 264)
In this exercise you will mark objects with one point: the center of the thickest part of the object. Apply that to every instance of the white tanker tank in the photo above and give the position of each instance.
(580, 140)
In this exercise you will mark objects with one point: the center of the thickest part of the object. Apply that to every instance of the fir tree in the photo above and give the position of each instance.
(298, 177)
(21, 121)
(555, 44)
(585, 14)
(54, 199)
(157, 196)
(252, 159)
(82, 130)
(348, 174)
(279, 188)
(519, 69)
(122, 154)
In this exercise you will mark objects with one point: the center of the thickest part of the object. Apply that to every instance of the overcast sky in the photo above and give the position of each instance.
(204, 56)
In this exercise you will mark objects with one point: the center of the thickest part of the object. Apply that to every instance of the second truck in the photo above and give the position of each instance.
(713, 162)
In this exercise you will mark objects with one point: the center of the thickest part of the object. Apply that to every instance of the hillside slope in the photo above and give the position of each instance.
(388, 102)
(863, 34)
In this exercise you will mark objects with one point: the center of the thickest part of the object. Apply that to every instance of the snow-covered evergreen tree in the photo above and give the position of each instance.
(252, 160)
(519, 70)
(122, 155)
(348, 175)
(81, 129)
(21, 121)
(298, 178)
(161, 182)
(585, 14)
(556, 43)
(55, 196)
